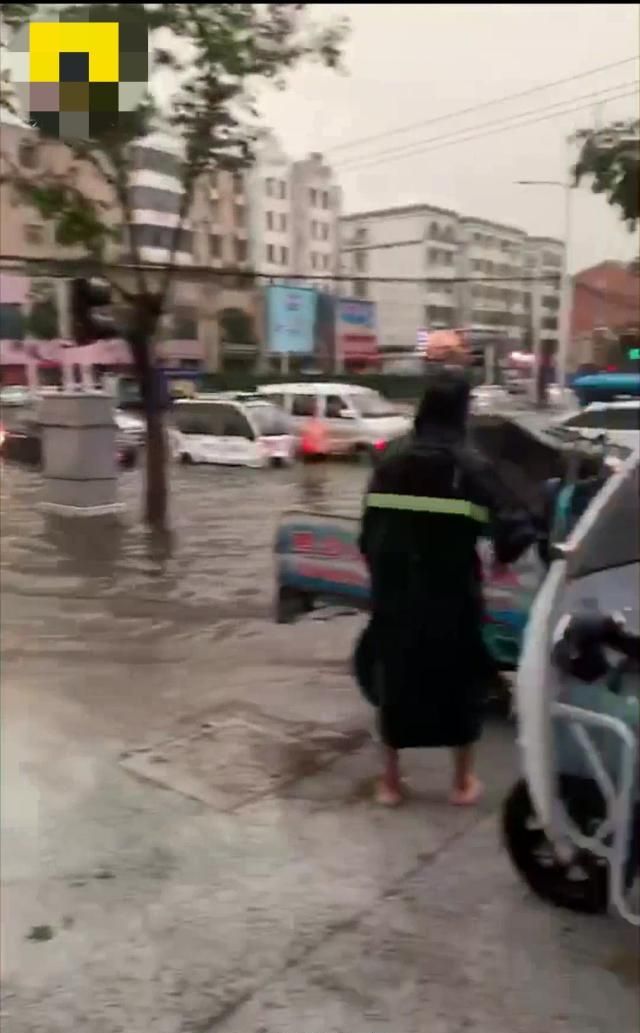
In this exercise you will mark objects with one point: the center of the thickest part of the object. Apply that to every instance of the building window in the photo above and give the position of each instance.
(153, 199)
(325, 198)
(271, 253)
(283, 222)
(360, 261)
(157, 161)
(360, 289)
(433, 256)
(162, 237)
(283, 190)
(268, 185)
(284, 255)
(215, 245)
(326, 231)
(34, 234)
(313, 197)
(184, 324)
(241, 250)
(238, 183)
(239, 214)
(327, 261)
(313, 260)
(269, 220)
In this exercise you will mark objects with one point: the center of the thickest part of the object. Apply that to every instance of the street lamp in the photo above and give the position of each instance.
(565, 281)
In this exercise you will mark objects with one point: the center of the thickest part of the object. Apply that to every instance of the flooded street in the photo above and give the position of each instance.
(188, 839)
(104, 579)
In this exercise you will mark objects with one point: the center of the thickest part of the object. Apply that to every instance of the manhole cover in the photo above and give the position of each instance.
(232, 758)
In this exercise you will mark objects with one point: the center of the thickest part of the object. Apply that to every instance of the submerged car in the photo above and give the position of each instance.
(231, 430)
(619, 420)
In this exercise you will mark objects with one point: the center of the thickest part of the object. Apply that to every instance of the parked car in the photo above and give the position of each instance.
(357, 419)
(21, 440)
(489, 398)
(231, 430)
(130, 428)
(620, 421)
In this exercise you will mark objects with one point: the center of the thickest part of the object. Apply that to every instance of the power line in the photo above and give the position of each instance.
(76, 267)
(441, 142)
(485, 104)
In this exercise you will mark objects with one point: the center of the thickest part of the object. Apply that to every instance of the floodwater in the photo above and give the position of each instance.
(110, 575)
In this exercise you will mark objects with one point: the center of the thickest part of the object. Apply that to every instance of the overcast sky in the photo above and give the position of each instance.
(411, 63)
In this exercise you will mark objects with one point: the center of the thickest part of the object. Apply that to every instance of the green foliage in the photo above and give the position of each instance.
(610, 158)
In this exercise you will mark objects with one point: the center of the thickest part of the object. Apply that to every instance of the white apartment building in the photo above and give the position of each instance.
(268, 184)
(490, 251)
(316, 219)
(440, 253)
(293, 215)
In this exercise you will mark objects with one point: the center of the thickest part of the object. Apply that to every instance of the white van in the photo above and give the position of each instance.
(357, 419)
(242, 430)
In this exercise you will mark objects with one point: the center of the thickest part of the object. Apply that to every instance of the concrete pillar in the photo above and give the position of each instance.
(79, 463)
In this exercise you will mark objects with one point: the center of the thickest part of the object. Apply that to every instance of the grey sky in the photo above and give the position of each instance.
(413, 62)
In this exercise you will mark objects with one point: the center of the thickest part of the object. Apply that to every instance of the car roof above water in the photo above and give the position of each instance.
(316, 388)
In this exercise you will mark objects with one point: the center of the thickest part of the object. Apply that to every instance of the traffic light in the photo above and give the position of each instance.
(87, 324)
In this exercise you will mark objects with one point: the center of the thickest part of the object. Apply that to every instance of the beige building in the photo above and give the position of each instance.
(202, 305)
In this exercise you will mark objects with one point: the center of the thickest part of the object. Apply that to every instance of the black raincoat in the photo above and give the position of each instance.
(422, 659)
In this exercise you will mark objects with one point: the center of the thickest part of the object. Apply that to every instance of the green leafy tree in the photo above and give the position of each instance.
(215, 56)
(610, 159)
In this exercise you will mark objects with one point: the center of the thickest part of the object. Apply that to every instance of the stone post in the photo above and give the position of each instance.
(79, 462)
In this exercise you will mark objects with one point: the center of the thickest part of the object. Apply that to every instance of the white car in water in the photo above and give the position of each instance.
(231, 430)
(619, 421)
(130, 428)
(356, 419)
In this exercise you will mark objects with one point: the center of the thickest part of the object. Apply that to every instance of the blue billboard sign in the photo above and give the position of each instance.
(291, 315)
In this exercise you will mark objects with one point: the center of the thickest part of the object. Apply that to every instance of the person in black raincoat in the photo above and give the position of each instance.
(422, 659)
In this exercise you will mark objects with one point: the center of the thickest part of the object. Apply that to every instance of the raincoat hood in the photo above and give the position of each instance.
(445, 403)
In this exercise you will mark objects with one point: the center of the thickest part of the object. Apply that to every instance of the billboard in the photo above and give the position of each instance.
(291, 315)
(356, 334)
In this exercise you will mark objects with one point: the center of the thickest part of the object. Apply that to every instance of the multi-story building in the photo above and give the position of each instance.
(494, 254)
(294, 210)
(423, 264)
(214, 234)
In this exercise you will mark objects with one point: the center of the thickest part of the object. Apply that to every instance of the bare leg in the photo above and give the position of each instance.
(389, 788)
(467, 788)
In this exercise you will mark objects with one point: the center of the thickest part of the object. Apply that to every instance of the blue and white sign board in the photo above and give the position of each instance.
(291, 317)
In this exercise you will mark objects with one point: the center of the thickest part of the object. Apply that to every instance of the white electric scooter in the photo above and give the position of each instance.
(572, 823)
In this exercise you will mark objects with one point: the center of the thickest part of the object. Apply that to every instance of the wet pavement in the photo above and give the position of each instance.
(188, 843)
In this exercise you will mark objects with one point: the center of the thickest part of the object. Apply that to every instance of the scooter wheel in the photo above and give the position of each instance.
(581, 885)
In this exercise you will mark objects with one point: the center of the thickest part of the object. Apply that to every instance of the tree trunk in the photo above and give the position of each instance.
(156, 491)
(140, 339)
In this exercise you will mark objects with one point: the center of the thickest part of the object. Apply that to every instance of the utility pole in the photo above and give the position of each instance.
(539, 380)
(564, 315)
